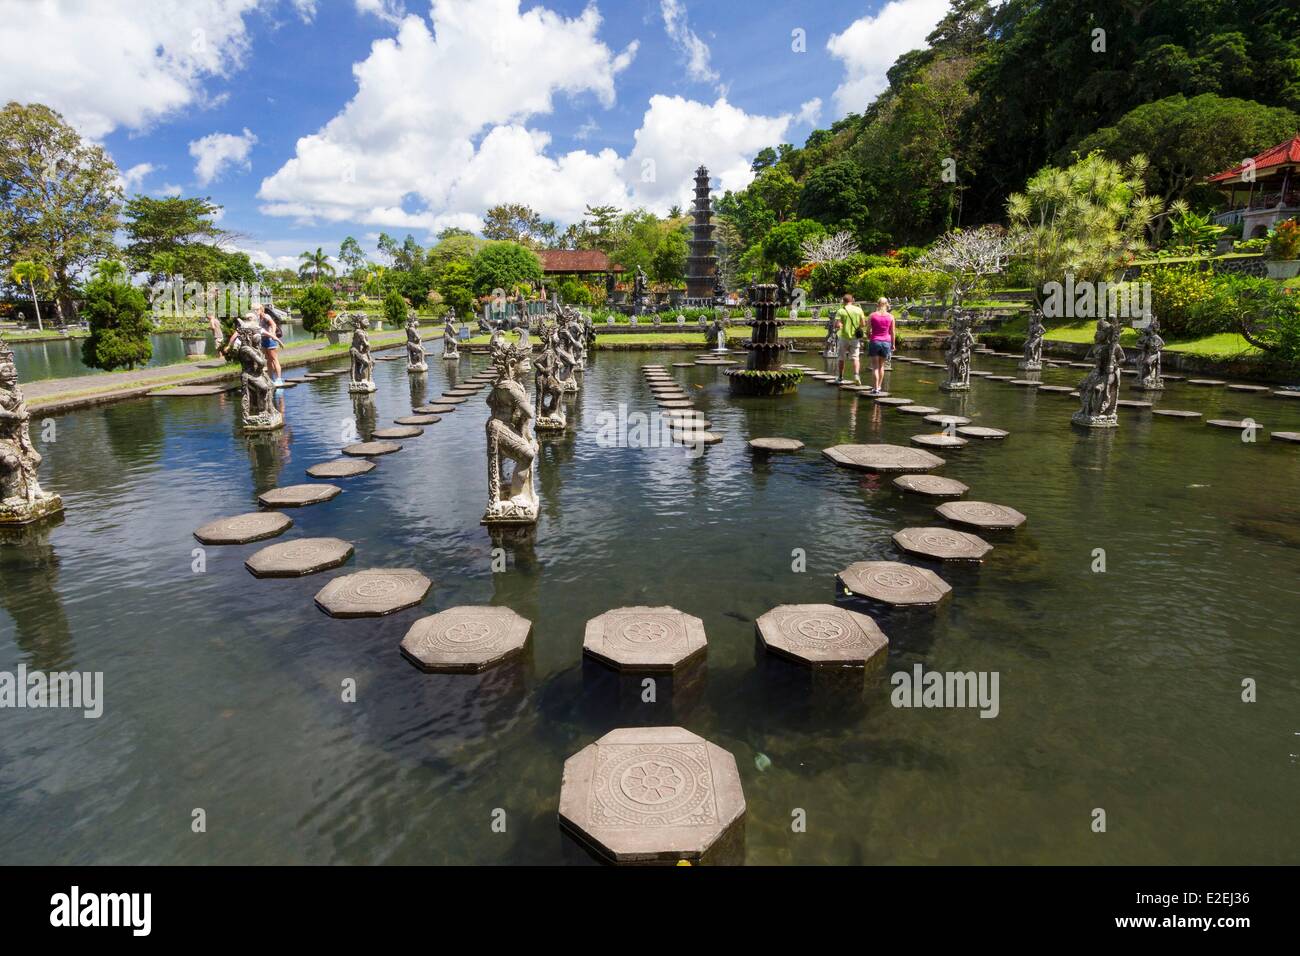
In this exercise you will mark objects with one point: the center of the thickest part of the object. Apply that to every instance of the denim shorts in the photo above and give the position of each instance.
(883, 349)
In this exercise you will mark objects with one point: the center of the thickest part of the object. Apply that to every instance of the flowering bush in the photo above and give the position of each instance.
(1284, 240)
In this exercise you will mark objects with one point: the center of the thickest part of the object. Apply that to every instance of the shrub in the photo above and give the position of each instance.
(1267, 315)
(1284, 240)
(313, 304)
(395, 308)
(574, 292)
(898, 283)
(1177, 291)
(1250, 245)
(119, 325)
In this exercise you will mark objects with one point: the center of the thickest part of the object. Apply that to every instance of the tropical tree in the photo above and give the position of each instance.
(313, 303)
(970, 256)
(351, 256)
(504, 265)
(455, 283)
(32, 272)
(119, 325)
(178, 226)
(375, 279)
(315, 264)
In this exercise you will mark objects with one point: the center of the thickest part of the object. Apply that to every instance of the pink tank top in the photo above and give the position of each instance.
(882, 327)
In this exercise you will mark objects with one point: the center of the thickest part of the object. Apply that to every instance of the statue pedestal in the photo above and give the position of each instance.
(1030, 366)
(955, 386)
(362, 387)
(268, 422)
(15, 511)
(450, 356)
(516, 511)
(569, 385)
(1095, 421)
(551, 423)
(419, 367)
(1156, 386)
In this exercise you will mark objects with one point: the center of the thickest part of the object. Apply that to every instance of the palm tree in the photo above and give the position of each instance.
(110, 270)
(374, 283)
(315, 263)
(32, 272)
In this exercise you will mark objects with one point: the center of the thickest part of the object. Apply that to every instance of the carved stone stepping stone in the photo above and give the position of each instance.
(1132, 403)
(1025, 382)
(675, 403)
(942, 544)
(1236, 424)
(650, 794)
(417, 420)
(981, 514)
(667, 390)
(298, 496)
(882, 458)
(399, 431)
(459, 393)
(653, 365)
(465, 640)
(296, 559)
(947, 419)
(999, 378)
(1080, 365)
(1175, 413)
(435, 409)
(1287, 393)
(775, 444)
(894, 583)
(1248, 388)
(932, 486)
(696, 436)
(892, 400)
(865, 390)
(981, 431)
(244, 529)
(341, 468)
(1172, 378)
(1056, 389)
(1285, 436)
(289, 383)
(682, 364)
(822, 635)
(938, 441)
(645, 639)
(980, 374)
(1205, 381)
(367, 449)
(189, 391)
(450, 399)
(373, 593)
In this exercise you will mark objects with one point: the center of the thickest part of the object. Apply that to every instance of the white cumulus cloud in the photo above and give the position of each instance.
(696, 50)
(132, 179)
(869, 46)
(217, 152)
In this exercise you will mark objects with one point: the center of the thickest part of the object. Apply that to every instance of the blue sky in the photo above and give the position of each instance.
(310, 120)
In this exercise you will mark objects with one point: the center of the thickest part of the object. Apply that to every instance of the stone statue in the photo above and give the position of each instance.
(1033, 360)
(957, 357)
(831, 349)
(550, 408)
(719, 289)
(639, 285)
(521, 308)
(363, 364)
(1150, 344)
(566, 353)
(257, 389)
(577, 337)
(21, 498)
(1099, 391)
(414, 346)
(588, 336)
(512, 499)
(784, 286)
(450, 335)
(716, 333)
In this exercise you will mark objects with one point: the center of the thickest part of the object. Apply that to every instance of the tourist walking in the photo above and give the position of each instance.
(217, 335)
(271, 342)
(882, 342)
(849, 322)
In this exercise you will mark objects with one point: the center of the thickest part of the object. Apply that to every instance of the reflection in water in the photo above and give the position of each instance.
(364, 414)
(29, 577)
(268, 453)
(419, 388)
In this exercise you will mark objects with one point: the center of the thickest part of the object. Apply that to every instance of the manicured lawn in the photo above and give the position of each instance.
(1220, 345)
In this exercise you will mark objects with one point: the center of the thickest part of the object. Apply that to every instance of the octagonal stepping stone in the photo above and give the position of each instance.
(981, 514)
(931, 485)
(645, 639)
(1285, 436)
(682, 364)
(882, 458)
(1175, 413)
(449, 399)
(435, 409)
(1205, 381)
(1056, 389)
(938, 440)
(461, 393)
(675, 403)
(979, 373)
(893, 400)
(775, 444)
(981, 431)
(398, 431)
(298, 496)
(1287, 393)
(822, 635)
(1172, 378)
(942, 544)
(652, 365)
(244, 529)
(1132, 403)
(465, 640)
(1236, 424)
(894, 583)
(296, 559)
(1000, 378)
(695, 436)
(1025, 382)
(651, 794)
(367, 449)
(341, 468)
(373, 593)
(948, 419)
(417, 420)
(189, 391)
(1248, 388)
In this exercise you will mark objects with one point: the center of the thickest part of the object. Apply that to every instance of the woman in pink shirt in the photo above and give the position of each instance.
(883, 339)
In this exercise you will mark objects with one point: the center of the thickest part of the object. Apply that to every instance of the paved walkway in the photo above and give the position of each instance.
(66, 394)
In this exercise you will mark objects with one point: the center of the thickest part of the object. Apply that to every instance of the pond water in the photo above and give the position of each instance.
(1119, 690)
(61, 358)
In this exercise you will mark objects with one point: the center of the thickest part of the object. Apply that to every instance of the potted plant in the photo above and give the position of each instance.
(195, 337)
(1284, 250)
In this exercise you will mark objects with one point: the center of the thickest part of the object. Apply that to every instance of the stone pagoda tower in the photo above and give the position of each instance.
(702, 264)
